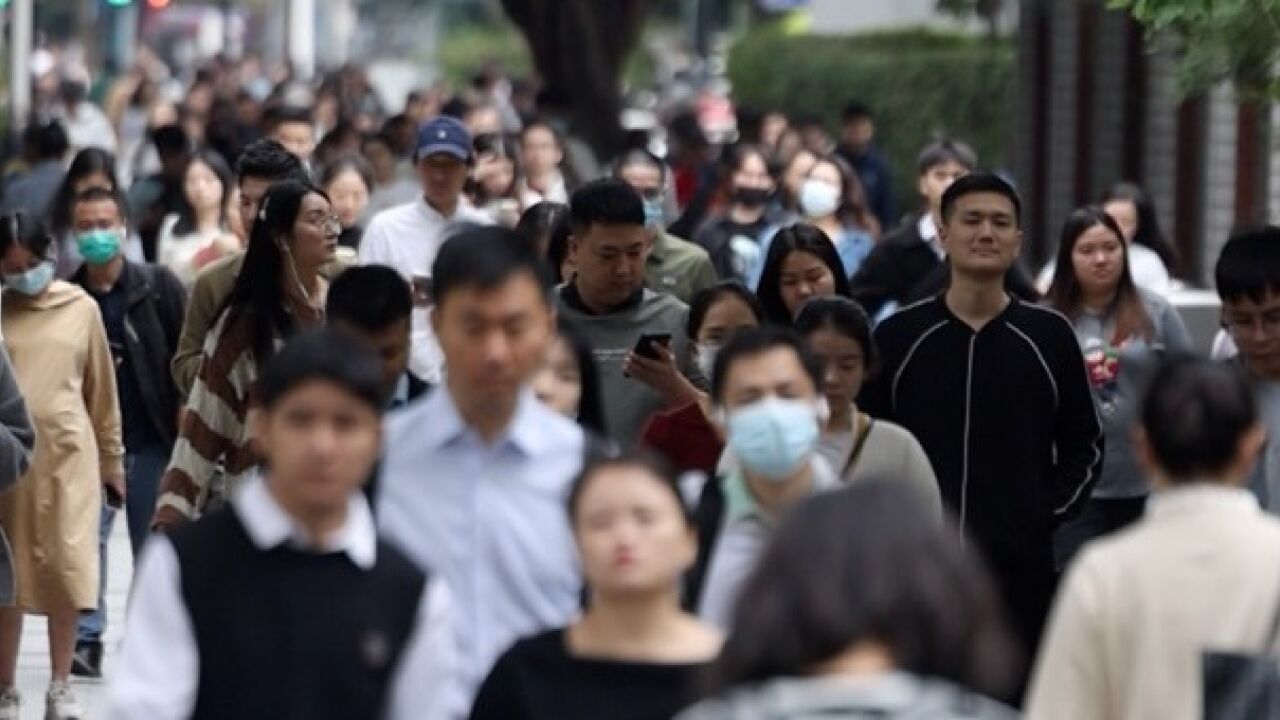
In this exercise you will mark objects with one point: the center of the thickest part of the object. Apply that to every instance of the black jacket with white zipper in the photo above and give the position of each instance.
(1005, 415)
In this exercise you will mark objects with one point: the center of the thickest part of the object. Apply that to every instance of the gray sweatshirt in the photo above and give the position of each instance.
(1116, 374)
(628, 403)
(895, 696)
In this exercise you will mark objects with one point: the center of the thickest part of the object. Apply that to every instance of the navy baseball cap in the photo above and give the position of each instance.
(443, 135)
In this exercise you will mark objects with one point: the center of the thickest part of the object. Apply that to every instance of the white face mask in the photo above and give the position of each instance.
(818, 199)
(706, 357)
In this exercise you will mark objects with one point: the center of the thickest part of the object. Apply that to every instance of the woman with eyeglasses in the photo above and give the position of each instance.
(279, 292)
(54, 334)
(1122, 330)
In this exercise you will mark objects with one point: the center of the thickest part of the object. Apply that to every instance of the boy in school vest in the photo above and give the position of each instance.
(286, 604)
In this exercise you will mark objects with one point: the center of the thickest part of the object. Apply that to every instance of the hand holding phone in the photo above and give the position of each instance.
(645, 345)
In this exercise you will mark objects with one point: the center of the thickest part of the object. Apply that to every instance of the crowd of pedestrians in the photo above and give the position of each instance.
(436, 415)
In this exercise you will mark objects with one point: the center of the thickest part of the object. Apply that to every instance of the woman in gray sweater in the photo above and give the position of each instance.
(1123, 331)
(854, 444)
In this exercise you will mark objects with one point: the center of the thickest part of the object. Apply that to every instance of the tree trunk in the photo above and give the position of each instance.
(579, 48)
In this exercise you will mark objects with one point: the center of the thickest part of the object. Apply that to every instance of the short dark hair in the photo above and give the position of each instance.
(755, 341)
(1194, 413)
(856, 110)
(328, 356)
(980, 182)
(47, 141)
(800, 237)
(892, 573)
(29, 232)
(276, 116)
(1249, 265)
(705, 298)
(170, 140)
(539, 123)
(98, 194)
(946, 150)
(649, 462)
(370, 298)
(846, 317)
(606, 201)
(354, 162)
(267, 159)
(483, 257)
(639, 156)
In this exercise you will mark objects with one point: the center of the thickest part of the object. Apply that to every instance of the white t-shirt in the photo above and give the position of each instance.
(407, 238)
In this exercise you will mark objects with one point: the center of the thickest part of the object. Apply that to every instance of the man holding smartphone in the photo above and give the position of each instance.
(637, 335)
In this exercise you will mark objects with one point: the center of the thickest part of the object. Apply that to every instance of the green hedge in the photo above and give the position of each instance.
(919, 83)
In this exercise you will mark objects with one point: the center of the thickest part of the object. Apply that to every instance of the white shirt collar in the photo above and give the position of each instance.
(1198, 496)
(928, 230)
(269, 526)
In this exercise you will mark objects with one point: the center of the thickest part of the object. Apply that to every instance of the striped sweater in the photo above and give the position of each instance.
(215, 428)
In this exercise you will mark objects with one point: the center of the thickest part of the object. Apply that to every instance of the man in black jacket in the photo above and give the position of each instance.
(995, 390)
(903, 266)
(142, 307)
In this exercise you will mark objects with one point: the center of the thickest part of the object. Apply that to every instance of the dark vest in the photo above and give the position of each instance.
(288, 635)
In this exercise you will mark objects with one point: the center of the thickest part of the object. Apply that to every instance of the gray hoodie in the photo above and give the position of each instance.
(895, 696)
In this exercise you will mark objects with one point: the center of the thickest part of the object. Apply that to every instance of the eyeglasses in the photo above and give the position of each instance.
(328, 224)
(1241, 323)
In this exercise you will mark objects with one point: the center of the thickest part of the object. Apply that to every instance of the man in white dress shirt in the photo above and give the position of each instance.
(475, 478)
(286, 604)
(407, 237)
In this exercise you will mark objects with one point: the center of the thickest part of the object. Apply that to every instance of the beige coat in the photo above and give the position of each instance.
(1200, 573)
(64, 367)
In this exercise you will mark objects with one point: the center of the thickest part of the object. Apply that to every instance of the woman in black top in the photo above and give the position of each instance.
(634, 654)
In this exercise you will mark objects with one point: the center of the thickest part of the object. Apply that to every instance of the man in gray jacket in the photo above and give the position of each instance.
(607, 299)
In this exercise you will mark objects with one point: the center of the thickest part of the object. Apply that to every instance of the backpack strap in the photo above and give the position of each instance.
(865, 421)
(708, 516)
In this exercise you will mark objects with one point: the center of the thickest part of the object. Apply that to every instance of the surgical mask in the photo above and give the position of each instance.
(773, 437)
(818, 199)
(653, 212)
(32, 282)
(706, 357)
(98, 247)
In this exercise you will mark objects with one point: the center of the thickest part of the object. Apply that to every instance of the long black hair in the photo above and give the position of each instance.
(591, 403)
(1148, 233)
(259, 297)
(868, 563)
(187, 219)
(89, 161)
(801, 237)
(1065, 294)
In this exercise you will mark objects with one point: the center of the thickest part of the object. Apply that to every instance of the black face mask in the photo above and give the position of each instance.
(751, 197)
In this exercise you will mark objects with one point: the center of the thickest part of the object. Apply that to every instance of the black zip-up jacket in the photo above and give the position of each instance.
(155, 304)
(1005, 415)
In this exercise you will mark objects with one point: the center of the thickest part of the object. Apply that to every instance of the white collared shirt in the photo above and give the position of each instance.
(928, 230)
(407, 238)
(488, 518)
(158, 673)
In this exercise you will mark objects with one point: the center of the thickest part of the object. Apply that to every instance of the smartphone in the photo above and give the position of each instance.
(645, 345)
(422, 291)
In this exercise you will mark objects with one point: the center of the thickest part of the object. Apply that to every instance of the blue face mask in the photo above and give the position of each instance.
(773, 437)
(653, 212)
(32, 282)
(98, 247)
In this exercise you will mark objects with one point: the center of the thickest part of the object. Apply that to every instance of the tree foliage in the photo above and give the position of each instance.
(1216, 40)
